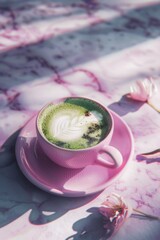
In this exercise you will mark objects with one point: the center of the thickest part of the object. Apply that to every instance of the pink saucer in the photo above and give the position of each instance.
(45, 174)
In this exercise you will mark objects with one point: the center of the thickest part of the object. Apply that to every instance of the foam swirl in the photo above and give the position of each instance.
(70, 127)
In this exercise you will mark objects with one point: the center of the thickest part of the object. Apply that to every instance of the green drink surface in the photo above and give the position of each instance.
(74, 124)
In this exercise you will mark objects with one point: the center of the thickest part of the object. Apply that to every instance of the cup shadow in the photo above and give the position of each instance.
(18, 195)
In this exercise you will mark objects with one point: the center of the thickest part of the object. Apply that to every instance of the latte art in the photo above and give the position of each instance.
(72, 126)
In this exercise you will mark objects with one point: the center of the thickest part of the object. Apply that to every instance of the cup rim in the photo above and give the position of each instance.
(58, 100)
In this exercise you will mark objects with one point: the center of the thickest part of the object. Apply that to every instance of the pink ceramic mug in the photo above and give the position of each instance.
(101, 153)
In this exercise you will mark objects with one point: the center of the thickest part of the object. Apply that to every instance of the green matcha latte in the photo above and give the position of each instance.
(75, 123)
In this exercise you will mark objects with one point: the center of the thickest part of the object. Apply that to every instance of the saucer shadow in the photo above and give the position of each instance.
(18, 195)
(7, 156)
(92, 227)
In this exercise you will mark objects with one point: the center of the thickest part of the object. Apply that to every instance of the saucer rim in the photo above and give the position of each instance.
(30, 175)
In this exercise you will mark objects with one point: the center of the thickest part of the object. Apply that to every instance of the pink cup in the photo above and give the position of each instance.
(102, 153)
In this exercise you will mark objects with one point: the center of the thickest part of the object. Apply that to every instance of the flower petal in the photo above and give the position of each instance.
(143, 90)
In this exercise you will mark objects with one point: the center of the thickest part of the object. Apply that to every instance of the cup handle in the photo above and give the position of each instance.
(110, 157)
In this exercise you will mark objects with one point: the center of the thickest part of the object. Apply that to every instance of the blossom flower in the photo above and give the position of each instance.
(144, 91)
(115, 211)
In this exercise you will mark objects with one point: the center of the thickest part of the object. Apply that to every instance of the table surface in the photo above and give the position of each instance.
(52, 49)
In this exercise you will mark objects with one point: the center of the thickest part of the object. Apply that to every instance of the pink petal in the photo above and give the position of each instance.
(143, 90)
(137, 96)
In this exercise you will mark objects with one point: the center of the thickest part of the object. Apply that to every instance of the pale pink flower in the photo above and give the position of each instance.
(115, 211)
(143, 90)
